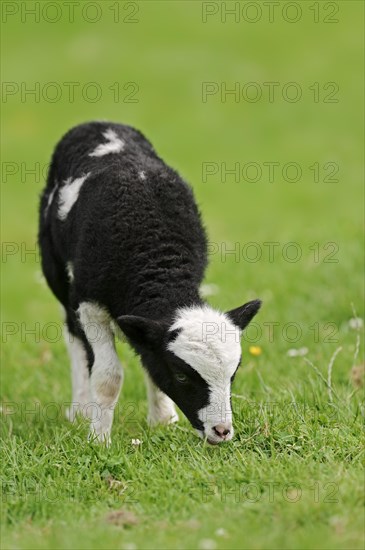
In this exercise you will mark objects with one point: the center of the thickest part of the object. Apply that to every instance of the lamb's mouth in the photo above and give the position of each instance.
(214, 441)
(217, 440)
(211, 440)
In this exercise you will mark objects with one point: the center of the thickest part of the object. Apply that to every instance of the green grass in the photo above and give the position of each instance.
(293, 475)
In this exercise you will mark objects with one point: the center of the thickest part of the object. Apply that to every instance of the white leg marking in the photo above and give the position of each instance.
(68, 195)
(80, 377)
(107, 373)
(161, 409)
(113, 145)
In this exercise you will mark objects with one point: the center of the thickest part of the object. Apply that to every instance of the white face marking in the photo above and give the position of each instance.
(142, 175)
(69, 194)
(210, 343)
(70, 271)
(114, 145)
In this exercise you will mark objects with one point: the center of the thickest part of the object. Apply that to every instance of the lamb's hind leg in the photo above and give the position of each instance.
(77, 349)
(106, 372)
(161, 409)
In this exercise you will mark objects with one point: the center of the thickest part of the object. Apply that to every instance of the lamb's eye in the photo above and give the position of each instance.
(182, 378)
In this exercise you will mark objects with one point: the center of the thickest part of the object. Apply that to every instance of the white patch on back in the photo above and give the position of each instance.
(142, 175)
(69, 194)
(210, 343)
(70, 271)
(114, 145)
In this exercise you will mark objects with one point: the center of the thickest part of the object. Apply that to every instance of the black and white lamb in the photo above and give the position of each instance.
(122, 244)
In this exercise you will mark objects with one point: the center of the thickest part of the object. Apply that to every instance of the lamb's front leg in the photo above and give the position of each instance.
(161, 409)
(106, 373)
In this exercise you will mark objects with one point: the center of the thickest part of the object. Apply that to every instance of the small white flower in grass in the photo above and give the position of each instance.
(221, 532)
(356, 323)
(39, 277)
(209, 289)
(207, 544)
(136, 442)
(300, 352)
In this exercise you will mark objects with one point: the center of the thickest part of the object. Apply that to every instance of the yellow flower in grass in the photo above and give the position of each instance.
(255, 350)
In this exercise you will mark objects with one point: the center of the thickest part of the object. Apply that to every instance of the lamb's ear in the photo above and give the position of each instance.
(142, 331)
(242, 315)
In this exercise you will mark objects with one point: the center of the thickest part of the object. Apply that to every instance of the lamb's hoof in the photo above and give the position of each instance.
(99, 439)
(71, 413)
(174, 418)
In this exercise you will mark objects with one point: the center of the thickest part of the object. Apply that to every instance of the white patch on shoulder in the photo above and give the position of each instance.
(209, 342)
(113, 145)
(70, 271)
(142, 175)
(69, 194)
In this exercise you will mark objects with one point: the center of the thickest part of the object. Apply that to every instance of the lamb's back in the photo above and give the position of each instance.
(135, 222)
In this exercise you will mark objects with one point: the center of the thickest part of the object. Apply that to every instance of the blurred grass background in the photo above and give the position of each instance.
(168, 53)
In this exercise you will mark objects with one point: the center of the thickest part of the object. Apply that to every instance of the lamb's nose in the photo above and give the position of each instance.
(222, 430)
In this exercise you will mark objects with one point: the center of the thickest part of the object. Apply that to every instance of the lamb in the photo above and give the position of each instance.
(123, 245)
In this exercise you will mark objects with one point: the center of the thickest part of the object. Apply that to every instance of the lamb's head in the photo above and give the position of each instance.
(194, 360)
